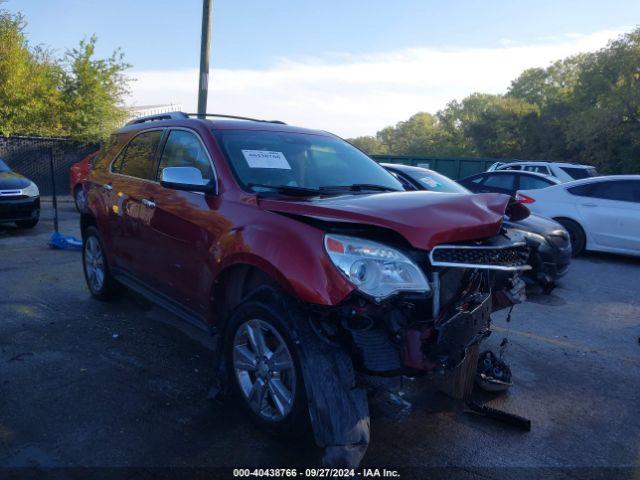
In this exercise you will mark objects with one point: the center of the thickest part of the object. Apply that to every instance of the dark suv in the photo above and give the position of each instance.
(306, 260)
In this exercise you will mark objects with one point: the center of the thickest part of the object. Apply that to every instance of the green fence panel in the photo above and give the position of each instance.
(452, 167)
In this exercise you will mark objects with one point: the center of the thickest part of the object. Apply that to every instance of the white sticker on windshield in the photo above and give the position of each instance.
(266, 159)
(430, 182)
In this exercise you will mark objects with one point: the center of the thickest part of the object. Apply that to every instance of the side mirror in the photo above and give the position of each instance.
(188, 179)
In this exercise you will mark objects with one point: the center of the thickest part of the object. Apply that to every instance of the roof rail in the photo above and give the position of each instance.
(159, 116)
(234, 117)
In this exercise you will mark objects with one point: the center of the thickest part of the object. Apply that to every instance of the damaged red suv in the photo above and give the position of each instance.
(313, 268)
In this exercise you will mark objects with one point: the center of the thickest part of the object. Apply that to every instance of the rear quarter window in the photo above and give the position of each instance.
(579, 173)
(107, 151)
(137, 158)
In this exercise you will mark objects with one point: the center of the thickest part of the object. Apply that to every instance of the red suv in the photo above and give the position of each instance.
(319, 276)
(78, 173)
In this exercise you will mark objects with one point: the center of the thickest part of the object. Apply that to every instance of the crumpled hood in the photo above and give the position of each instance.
(12, 181)
(425, 219)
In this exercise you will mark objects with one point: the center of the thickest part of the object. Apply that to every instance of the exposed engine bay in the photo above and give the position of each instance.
(414, 334)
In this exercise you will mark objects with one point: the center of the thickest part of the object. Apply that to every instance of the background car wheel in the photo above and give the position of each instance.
(78, 196)
(96, 270)
(576, 235)
(27, 223)
(265, 370)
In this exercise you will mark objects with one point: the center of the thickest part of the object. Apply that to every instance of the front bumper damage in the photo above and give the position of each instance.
(435, 336)
(415, 335)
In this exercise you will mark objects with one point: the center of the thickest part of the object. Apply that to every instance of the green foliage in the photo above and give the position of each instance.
(29, 79)
(77, 96)
(493, 125)
(422, 134)
(585, 108)
(92, 90)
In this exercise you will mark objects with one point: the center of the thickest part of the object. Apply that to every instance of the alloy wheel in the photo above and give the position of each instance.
(80, 200)
(94, 264)
(264, 369)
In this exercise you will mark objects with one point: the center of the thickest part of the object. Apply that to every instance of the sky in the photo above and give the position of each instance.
(351, 67)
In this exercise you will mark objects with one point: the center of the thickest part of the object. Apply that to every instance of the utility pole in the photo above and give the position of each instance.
(205, 51)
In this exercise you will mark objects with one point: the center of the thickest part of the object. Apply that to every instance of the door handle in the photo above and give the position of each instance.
(148, 203)
(107, 186)
(589, 205)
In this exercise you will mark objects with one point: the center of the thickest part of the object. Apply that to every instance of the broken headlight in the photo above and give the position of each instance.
(373, 268)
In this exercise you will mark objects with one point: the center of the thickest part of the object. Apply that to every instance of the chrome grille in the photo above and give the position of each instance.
(509, 257)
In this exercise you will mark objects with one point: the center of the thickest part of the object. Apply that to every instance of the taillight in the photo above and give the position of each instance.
(520, 198)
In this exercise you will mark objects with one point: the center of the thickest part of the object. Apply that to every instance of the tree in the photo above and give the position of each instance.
(78, 96)
(492, 125)
(422, 134)
(30, 100)
(584, 108)
(369, 144)
(92, 91)
(605, 124)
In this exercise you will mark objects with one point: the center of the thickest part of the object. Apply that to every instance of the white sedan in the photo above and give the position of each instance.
(600, 213)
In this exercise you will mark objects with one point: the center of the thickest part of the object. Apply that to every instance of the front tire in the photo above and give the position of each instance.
(576, 235)
(101, 283)
(265, 370)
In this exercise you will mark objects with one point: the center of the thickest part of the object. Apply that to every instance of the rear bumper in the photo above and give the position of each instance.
(12, 210)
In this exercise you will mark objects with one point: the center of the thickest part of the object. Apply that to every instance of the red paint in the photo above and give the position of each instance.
(79, 172)
(424, 219)
(184, 244)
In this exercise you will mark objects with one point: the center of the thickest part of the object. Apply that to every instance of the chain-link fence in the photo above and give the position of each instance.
(30, 156)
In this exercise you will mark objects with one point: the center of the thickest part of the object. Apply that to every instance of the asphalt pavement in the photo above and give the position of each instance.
(91, 384)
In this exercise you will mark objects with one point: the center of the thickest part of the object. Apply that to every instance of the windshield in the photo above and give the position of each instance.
(4, 167)
(260, 159)
(434, 182)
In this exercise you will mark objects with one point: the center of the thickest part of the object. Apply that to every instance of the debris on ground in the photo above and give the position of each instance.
(505, 417)
(493, 374)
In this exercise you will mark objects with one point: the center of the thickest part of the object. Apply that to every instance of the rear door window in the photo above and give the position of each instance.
(529, 182)
(618, 190)
(138, 157)
(501, 181)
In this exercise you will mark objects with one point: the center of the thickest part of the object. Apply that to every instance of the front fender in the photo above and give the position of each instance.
(290, 252)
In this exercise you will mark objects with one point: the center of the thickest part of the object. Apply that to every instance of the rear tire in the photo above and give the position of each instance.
(264, 369)
(576, 235)
(101, 283)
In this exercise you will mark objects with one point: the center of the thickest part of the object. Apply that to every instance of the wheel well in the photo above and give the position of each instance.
(86, 221)
(559, 220)
(584, 233)
(232, 285)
